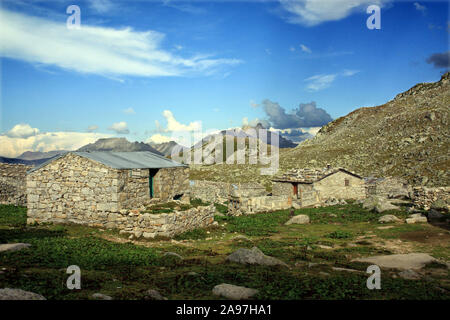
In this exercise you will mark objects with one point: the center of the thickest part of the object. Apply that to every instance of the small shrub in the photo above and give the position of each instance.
(339, 234)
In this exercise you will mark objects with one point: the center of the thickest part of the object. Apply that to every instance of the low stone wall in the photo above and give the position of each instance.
(209, 191)
(424, 197)
(13, 183)
(141, 224)
(253, 205)
(388, 187)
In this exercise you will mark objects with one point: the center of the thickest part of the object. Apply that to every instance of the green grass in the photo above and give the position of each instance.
(257, 224)
(12, 216)
(126, 270)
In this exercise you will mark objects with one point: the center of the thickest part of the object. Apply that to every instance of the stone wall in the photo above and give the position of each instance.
(209, 191)
(70, 188)
(252, 205)
(170, 183)
(133, 189)
(282, 189)
(308, 196)
(13, 183)
(334, 186)
(424, 197)
(389, 187)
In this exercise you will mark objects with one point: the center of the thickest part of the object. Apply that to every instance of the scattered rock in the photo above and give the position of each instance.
(241, 238)
(13, 246)
(416, 218)
(173, 254)
(400, 261)
(254, 256)
(378, 204)
(344, 269)
(149, 235)
(19, 294)
(409, 275)
(385, 227)
(154, 295)
(299, 219)
(101, 296)
(388, 218)
(324, 247)
(233, 292)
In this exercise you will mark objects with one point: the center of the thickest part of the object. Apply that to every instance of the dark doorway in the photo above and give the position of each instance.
(151, 181)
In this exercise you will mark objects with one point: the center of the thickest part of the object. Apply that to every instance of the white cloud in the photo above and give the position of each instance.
(174, 125)
(292, 49)
(129, 111)
(320, 82)
(312, 130)
(305, 48)
(420, 7)
(314, 12)
(22, 130)
(349, 73)
(92, 128)
(158, 138)
(255, 122)
(101, 6)
(97, 50)
(323, 81)
(13, 147)
(120, 127)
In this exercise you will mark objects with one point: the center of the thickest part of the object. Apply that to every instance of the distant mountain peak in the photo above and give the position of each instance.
(118, 144)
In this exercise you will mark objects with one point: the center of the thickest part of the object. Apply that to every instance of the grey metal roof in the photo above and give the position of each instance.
(122, 160)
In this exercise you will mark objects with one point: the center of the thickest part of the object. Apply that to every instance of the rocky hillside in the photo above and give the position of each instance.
(118, 144)
(37, 155)
(165, 148)
(406, 137)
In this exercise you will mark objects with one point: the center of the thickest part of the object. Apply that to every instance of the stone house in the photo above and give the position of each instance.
(78, 186)
(309, 187)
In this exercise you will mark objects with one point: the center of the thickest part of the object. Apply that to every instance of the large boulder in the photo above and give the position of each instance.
(299, 219)
(19, 294)
(233, 292)
(388, 218)
(378, 204)
(254, 256)
(400, 261)
(416, 218)
(13, 246)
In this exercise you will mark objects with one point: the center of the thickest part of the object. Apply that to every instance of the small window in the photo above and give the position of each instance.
(347, 182)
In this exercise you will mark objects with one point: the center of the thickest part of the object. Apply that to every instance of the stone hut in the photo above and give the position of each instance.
(309, 187)
(78, 186)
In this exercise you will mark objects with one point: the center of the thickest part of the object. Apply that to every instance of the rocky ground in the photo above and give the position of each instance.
(407, 137)
(320, 253)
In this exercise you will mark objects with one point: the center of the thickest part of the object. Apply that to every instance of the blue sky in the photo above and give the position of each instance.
(181, 63)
